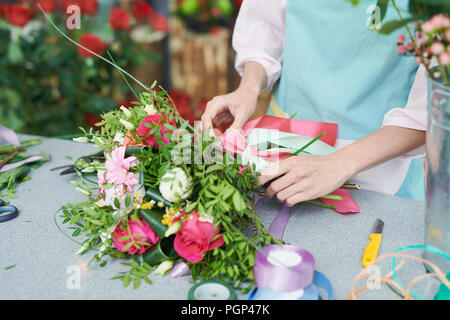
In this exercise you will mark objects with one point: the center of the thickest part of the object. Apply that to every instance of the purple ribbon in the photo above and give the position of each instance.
(279, 223)
(181, 269)
(11, 166)
(10, 136)
(283, 278)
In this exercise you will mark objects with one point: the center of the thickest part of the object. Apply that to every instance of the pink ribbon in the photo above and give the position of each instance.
(234, 142)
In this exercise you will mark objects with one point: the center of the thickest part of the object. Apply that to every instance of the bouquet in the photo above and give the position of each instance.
(166, 196)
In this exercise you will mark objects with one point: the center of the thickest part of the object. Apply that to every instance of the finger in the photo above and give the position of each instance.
(212, 109)
(280, 184)
(290, 191)
(239, 121)
(277, 169)
(297, 198)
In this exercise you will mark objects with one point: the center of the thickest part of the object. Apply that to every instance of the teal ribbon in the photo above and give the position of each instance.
(424, 247)
(285, 142)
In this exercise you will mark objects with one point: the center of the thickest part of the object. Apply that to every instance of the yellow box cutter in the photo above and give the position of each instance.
(371, 250)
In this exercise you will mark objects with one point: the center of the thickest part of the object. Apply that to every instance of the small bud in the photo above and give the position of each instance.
(164, 267)
(150, 109)
(126, 111)
(173, 229)
(81, 139)
(127, 124)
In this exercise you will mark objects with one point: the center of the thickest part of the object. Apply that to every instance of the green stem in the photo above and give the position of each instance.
(318, 203)
(444, 74)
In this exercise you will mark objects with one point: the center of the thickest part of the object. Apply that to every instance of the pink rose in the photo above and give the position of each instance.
(194, 238)
(135, 228)
(151, 121)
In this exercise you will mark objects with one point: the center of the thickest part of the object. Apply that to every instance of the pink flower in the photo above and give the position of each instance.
(117, 168)
(447, 34)
(401, 38)
(444, 58)
(410, 46)
(146, 126)
(195, 237)
(427, 27)
(437, 48)
(401, 49)
(135, 228)
(101, 181)
(439, 21)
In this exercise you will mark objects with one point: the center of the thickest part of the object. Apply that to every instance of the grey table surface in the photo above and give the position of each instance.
(45, 260)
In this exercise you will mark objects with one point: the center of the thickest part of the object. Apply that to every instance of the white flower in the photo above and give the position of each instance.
(126, 111)
(150, 109)
(81, 139)
(144, 34)
(127, 124)
(164, 267)
(119, 137)
(120, 193)
(175, 185)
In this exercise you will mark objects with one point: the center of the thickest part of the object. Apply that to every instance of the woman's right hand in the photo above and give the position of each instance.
(237, 106)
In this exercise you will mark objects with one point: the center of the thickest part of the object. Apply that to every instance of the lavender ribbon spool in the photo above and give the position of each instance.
(283, 268)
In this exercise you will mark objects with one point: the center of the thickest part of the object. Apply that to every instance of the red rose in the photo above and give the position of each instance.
(119, 19)
(142, 10)
(89, 7)
(195, 237)
(158, 22)
(66, 3)
(93, 43)
(18, 15)
(48, 6)
(3, 8)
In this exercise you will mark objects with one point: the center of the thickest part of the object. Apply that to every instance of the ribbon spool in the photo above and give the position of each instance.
(211, 290)
(286, 272)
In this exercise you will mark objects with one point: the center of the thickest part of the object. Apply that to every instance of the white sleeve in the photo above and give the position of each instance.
(259, 36)
(414, 115)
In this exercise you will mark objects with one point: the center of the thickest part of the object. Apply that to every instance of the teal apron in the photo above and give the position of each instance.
(335, 69)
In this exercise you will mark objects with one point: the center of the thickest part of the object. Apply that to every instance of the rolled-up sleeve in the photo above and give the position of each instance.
(259, 36)
(414, 114)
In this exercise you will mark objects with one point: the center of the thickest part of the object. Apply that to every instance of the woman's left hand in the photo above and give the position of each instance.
(301, 178)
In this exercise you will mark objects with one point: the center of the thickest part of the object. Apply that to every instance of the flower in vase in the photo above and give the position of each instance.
(195, 237)
(139, 227)
(175, 185)
(119, 20)
(93, 43)
(117, 168)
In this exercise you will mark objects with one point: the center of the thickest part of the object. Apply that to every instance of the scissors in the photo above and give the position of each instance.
(7, 212)
(72, 168)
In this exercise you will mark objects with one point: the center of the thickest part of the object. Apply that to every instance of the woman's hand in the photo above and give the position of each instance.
(303, 178)
(237, 106)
